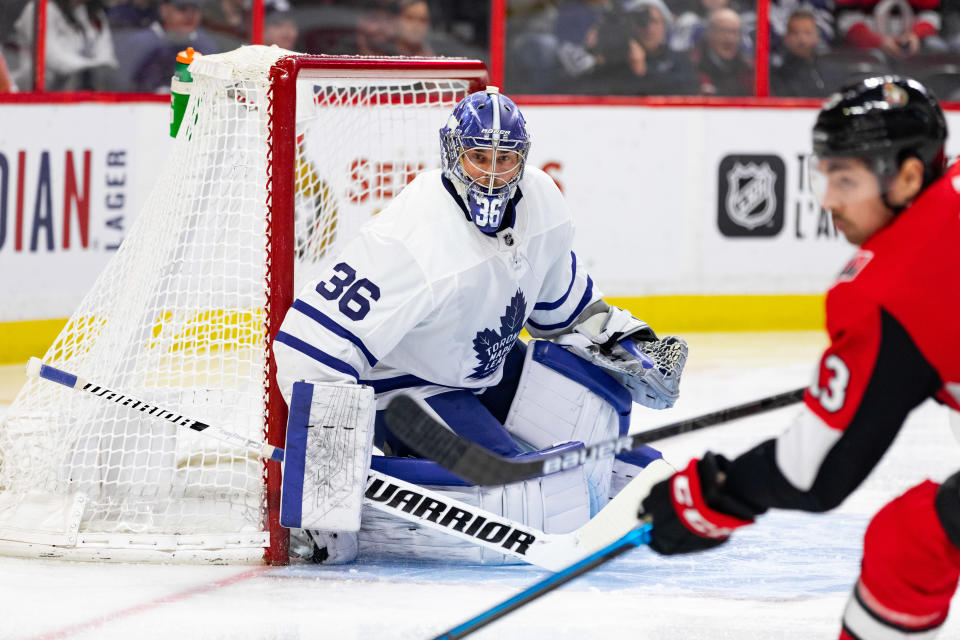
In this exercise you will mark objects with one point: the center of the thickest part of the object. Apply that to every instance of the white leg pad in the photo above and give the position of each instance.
(550, 408)
(625, 472)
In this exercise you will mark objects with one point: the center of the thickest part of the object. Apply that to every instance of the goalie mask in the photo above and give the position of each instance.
(483, 149)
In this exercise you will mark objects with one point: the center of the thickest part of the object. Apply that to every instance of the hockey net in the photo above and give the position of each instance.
(280, 157)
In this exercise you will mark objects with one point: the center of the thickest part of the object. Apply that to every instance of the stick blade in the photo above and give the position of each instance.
(422, 433)
(432, 439)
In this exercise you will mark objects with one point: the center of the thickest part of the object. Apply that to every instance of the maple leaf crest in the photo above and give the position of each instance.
(492, 347)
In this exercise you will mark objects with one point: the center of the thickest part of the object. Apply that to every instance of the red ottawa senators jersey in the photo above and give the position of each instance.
(893, 316)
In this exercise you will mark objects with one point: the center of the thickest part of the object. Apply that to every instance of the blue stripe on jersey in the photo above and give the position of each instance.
(400, 382)
(549, 306)
(584, 301)
(328, 323)
(405, 381)
(452, 190)
(318, 355)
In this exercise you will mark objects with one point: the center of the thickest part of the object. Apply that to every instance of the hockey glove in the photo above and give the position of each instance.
(629, 351)
(691, 511)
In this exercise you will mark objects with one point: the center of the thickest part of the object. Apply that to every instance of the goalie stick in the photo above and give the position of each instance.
(36, 369)
(419, 504)
(475, 464)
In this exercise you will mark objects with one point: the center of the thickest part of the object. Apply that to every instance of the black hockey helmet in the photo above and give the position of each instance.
(884, 120)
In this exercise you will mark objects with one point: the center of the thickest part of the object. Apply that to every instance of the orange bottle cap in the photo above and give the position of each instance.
(187, 55)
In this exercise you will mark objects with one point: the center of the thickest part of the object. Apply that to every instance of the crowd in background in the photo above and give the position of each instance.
(598, 47)
(131, 45)
(706, 47)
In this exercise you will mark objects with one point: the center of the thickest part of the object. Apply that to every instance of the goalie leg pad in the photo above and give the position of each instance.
(628, 465)
(562, 398)
(327, 455)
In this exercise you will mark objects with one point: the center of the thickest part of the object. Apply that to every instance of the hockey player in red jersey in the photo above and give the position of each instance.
(892, 318)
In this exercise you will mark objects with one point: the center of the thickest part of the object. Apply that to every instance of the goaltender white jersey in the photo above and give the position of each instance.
(421, 296)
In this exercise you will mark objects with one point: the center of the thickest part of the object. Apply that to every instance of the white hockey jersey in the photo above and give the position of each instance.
(421, 296)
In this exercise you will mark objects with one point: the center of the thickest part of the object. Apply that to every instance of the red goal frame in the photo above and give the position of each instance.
(280, 211)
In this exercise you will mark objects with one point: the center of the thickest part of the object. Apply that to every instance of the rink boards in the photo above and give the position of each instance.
(696, 218)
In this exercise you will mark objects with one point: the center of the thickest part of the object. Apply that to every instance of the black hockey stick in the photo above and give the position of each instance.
(37, 369)
(475, 464)
(633, 538)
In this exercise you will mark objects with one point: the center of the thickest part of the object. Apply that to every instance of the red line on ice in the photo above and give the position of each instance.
(153, 604)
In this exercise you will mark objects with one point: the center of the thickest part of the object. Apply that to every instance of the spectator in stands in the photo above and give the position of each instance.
(279, 26)
(531, 62)
(228, 22)
(633, 57)
(377, 28)
(10, 10)
(413, 28)
(799, 72)
(724, 71)
(133, 14)
(575, 34)
(898, 29)
(6, 82)
(468, 25)
(821, 10)
(552, 48)
(690, 26)
(148, 56)
(79, 52)
(950, 28)
(327, 26)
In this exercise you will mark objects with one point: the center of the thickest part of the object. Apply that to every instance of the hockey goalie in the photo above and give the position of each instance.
(429, 300)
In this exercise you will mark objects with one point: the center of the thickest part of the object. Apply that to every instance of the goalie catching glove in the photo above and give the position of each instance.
(629, 351)
(692, 511)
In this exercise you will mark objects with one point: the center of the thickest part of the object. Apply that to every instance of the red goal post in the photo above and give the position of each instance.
(281, 190)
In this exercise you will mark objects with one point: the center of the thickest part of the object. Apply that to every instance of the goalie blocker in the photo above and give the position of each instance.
(328, 447)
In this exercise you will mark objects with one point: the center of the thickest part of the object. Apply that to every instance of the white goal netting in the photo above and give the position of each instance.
(180, 316)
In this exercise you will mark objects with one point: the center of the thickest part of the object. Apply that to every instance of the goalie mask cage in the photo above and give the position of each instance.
(279, 158)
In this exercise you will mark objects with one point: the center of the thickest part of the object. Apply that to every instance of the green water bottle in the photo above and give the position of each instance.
(180, 85)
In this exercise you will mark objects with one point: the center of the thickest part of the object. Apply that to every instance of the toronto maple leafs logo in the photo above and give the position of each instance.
(492, 347)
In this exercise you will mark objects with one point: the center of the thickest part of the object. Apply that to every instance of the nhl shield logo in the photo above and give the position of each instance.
(751, 199)
(751, 195)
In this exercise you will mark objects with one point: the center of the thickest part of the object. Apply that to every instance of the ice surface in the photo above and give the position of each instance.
(786, 578)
